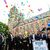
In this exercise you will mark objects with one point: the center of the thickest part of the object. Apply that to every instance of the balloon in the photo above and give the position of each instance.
(27, 1)
(21, 2)
(9, 15)
(20, 14)
(11, 5)
(40, 9)
(7, 6)
(28, 5)
(5, 1)
(31, 10)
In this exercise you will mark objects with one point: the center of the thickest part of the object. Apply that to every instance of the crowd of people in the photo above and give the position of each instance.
(23, 43)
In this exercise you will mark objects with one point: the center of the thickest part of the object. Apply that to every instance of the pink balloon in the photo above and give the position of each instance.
(28, 5)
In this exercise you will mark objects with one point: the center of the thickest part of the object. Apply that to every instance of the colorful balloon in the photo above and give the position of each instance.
(5, 1)
(40, 9)
(20, 14)
(28, 5)
(7, 6)
(21, 2)
(27, 1)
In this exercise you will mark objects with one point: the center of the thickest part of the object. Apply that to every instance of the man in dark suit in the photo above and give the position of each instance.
(21, 42)
(48, 41)
(44, 36)
(38, 36)
(25, 43)
(48, 38)
(30, 41)
(16, 43)
(7, 43)
(10, 41)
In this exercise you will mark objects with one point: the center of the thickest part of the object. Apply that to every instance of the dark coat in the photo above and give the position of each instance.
(0, 40)
(48, 42)
(38, 37)
(44, 37)
(30, 42)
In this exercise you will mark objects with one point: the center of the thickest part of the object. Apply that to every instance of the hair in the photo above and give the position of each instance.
(48, 28)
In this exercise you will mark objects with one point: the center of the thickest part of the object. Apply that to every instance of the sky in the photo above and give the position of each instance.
(29, 8)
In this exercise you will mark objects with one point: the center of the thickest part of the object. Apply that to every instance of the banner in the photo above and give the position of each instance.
(40, 45)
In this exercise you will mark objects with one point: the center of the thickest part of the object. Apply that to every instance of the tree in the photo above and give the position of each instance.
(4, 28)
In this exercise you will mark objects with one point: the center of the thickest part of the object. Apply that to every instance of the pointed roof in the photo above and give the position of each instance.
(14, 9)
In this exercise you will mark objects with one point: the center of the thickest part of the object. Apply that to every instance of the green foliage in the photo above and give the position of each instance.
(4, 28)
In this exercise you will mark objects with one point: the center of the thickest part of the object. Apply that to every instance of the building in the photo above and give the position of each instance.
(17, 24)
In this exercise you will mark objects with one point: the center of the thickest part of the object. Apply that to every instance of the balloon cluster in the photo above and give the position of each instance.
(6, 3)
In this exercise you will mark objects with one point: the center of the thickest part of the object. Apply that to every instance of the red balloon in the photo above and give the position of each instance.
(7, 6)
(6, 3)
(20, 14)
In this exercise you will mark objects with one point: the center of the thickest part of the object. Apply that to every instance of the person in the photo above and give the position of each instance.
(30, 41)
(44, 33)
(18, 41)
(44, 36)
(3, 40)
(27, 39)
(48, 41)
(21, 42)
(48, 38)
(0, 42)
(38, 36)
(26, 43)
(9, 41)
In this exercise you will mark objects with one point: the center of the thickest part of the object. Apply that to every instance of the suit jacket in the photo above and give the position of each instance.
(48, 42)
(44, 37)
(30, 38)
(9, 39)
(38, 37)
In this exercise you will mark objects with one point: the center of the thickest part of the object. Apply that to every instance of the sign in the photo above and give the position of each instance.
(40, 45)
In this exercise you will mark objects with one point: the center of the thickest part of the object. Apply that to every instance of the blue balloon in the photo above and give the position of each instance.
(9, 15)
(48, 24)
(36, 17)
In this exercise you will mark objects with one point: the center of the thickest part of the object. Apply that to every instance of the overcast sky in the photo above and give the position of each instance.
(27, 5)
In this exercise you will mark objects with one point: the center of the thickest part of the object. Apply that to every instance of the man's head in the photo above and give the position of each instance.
(48, 30)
